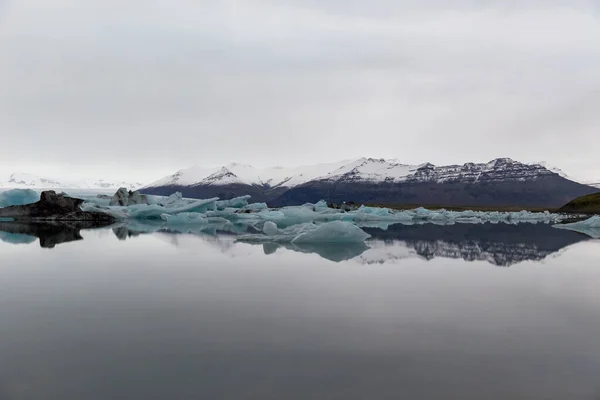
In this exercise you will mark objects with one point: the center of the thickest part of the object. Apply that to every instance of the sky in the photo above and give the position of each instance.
(138, 89)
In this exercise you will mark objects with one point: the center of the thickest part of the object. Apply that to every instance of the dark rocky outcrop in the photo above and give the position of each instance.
(497, 184)
(549, 191)
(54, 207)
(125, 197)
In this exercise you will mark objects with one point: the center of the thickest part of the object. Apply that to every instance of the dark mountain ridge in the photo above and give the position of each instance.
(499, 183)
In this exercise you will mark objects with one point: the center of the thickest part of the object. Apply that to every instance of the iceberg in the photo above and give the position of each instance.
(192, 218)
(307, 233)
(18, 197)
(590, 227)
(237, 202)
(152, 211)
(178, 210)
(255, 207)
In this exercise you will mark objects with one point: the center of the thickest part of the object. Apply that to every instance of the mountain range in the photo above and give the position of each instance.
(28, 181)
(500, 182)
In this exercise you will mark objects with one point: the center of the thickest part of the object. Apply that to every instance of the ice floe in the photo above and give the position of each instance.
(294, 224)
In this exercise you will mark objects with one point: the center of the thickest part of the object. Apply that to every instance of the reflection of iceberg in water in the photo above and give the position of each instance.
(589, 227)
(333, 252)
(136, 228)
(498, 244)
(17, 238)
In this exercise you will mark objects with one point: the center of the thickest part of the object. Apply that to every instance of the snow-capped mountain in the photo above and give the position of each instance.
(502, 181)
(235, 173)
(29, 181)
(384, 171)
(360, 170)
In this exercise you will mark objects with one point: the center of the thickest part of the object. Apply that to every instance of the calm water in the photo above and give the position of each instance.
(425, 312)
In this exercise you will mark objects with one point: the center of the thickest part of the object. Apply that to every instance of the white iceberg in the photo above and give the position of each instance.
(240, 211)
(191, 219)
(237, 202)
(153, 211)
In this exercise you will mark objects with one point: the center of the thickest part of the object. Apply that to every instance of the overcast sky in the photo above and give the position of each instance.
(89, 88)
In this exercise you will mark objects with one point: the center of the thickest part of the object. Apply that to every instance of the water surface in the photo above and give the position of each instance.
(422, 312)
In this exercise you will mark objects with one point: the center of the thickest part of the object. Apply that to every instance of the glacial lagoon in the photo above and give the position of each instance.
(424, 311)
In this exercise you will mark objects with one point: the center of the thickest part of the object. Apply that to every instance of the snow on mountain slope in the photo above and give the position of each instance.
(590, 182)
(556, 170)
(29, 181)
(222, 177)
(371, 170)
(366, 170)
(247, 174)
(22, 180)
(381, 170)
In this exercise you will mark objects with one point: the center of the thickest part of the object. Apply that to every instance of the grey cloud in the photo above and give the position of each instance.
(154, 87)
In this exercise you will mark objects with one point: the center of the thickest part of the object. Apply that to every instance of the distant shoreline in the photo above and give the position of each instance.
(478, 208)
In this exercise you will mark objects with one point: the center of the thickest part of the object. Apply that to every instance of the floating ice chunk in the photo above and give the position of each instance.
(321, 204)
(296, 215)
(237, 202)
(270, 229)
(255, 207)
(468, 220)
(118, 213)
(172, 200)
(590, 227)
(330, 232)
(364, 214)
(191, 218)
(18, 197)
(153, 211)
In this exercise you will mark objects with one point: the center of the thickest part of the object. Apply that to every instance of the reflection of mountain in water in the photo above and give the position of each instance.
(499, 244)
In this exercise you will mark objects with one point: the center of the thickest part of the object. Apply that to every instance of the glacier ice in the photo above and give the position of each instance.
(18, 197)
(153, 211)
(297, 224)
(237, 202)
(590, 227)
